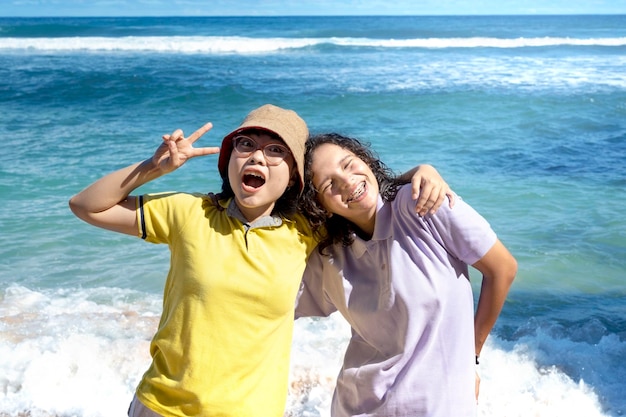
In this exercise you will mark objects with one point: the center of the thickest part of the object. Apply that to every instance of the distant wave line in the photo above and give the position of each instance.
(233, 44)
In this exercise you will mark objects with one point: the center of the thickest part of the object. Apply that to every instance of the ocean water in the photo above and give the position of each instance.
(525, 116)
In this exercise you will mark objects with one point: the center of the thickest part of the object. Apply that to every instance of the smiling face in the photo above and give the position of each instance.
(346, 185)
(256, 184)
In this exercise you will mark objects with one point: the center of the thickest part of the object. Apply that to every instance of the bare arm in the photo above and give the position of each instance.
(107, 202)
(498, 267)
(429, 189)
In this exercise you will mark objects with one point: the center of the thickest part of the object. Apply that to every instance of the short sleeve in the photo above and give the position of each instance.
(461, 230)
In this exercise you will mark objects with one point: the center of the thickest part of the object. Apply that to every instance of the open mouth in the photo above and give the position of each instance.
(357, 193)
(253, 180)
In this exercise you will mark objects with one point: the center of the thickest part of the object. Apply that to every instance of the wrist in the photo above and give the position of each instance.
(150, 169)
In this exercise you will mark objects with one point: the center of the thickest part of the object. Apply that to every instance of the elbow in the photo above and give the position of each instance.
(511, 271)
(507, 268)
(77, 208)
(73, 205)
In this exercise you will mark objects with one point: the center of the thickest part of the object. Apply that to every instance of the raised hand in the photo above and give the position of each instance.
(176, 149)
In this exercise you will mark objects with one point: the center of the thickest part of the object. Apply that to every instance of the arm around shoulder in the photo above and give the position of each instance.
(429, 189)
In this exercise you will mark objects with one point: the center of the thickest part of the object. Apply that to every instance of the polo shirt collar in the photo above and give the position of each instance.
(265, 221)
(382, 229)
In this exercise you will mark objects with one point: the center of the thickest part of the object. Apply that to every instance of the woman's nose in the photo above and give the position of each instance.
(258, 156)
(344, 182)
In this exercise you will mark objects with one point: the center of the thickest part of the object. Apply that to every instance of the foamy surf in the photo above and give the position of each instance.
(81, 353)
(246, 45)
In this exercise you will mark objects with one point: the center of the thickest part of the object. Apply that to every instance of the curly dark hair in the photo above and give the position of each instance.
(286, 206)
(337, 229)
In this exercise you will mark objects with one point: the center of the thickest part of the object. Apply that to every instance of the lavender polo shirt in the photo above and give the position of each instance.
(407, 296)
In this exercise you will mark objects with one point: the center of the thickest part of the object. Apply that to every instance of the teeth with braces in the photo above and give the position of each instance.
(360, 189)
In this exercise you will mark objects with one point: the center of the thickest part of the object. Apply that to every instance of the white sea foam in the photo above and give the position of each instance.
(513, 384)
(243, 45)
(164, 44)
(81, 353)
(76, 353)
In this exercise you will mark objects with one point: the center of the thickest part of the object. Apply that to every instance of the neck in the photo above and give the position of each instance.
(366, 226)
(252, 214)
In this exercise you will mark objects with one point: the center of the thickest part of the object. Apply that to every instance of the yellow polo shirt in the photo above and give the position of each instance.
(223, 343)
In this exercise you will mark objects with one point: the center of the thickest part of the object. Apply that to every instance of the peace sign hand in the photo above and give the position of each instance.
(176, 149)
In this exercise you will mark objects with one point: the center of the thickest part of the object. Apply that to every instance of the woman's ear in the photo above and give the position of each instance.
(294, 178)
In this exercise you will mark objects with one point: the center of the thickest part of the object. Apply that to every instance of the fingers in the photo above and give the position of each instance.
(178, 134)
(198, 133)
(431, 196)
(477, 385)
(175, 136)
(180, 149)
(206, 151)
(174, 159)
(428, 205)
(451, 198)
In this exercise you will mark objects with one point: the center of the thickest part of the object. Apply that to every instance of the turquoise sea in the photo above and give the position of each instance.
(525, 117)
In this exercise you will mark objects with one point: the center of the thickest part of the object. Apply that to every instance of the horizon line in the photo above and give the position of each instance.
(322, 15)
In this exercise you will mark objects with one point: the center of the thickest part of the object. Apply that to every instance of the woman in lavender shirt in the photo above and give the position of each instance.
(402, 282)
